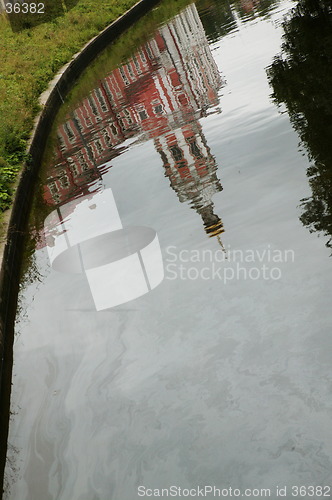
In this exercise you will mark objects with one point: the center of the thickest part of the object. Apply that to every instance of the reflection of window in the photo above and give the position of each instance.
(149, 51)
(56, 197)
(127, 113)
(137, 65)
(120, 121)
(53, 188)
(101, 100)
(177, 33)
(181, 164)
(82, 161)
(114, 130)
(108, 90)
(176, 153)
(94, 108)
(78, 123)
(141, 53)
(87, 118)
(64, 181)
(61, 142)
(99, 146)
(74, 169)
(142, 114)
(184, 26)
(124, 76)
(158, 109)
(130, 71)
(107, 138)
(69, 132)
(194, 149)
(115, 85)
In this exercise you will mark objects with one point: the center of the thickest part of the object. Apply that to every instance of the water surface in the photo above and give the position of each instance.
(174, 316)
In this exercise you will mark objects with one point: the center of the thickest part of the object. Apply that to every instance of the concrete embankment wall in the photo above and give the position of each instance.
(12, 253)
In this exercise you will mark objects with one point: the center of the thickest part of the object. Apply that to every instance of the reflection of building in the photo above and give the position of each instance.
(191, 169)
(159, 94)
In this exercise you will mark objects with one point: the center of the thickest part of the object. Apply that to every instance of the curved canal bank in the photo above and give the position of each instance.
(128, 379)
(11, 253)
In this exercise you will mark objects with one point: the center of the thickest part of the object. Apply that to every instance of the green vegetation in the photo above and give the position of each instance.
(30, 57)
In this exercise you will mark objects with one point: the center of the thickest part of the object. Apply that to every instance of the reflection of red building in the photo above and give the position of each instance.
(191, 169)
(159, 94)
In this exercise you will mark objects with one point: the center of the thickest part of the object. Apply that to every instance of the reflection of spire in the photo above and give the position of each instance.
(213, 225)
(191, 168)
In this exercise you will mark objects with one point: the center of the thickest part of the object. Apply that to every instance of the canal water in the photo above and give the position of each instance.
(174, 325)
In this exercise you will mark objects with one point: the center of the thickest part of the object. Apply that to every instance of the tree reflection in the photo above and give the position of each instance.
(302, 79)
(221, 17)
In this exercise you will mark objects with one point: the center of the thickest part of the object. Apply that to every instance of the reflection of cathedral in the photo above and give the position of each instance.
(191, 169)
(159, 94)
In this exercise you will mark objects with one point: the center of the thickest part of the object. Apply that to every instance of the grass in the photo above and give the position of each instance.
(29, 60)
